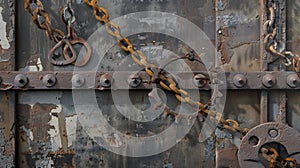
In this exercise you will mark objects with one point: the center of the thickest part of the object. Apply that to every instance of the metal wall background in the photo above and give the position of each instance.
(43, 125)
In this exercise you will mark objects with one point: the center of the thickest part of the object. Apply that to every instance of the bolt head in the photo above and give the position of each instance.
(49, 80)
(240, 80)
(21, 80)
(105, 80)
(269, 81)
(293, 80)
(78, 80)
(134, 81)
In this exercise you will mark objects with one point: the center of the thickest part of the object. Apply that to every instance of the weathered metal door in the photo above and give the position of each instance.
(118, 109)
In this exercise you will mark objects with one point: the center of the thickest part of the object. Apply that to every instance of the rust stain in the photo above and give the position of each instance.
(226, 53)
(35, 119)
(5, 120)
(227, 158)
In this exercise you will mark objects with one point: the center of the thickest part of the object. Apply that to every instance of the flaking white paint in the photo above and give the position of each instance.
(54, 131)
(71, 125)
(3, 35)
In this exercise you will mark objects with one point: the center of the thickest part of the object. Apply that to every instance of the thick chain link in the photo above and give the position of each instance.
(43, 21)
(156, 73)
(271, 42)
(272, 155)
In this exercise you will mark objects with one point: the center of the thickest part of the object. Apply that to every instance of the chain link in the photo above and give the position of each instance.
(156, 73)
(43, 21)
(272, 155)
(272, 45)
(271, 42)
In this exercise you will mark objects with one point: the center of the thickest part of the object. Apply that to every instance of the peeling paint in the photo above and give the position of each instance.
(33, 68)
(71, 125)
(29, 135)
(3, 37)
(54, 132)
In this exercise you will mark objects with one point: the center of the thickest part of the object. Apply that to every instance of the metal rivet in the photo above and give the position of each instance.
(239, 80)
(269, 80)
(273, 133)
(105, 80)
(49, 80)
(293, 80)
(134, 80)
(78, 80)
(200, 80)
(21, 80)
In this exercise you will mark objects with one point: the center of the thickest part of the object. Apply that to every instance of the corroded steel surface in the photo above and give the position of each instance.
(47, 127)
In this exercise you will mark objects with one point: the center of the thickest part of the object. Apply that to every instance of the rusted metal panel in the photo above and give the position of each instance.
(46, 131)
(7, 99)
(33, 54)
(238, 34)
(49, 133)
(32, 57)
(7, 129)
(45, 136)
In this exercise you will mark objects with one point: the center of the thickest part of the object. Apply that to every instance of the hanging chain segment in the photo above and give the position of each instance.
(157, 73)
(274, 45)
(272, 155)
(43, 21)
(272, 41)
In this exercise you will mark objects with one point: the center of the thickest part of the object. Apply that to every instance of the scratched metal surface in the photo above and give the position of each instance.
(48, 131)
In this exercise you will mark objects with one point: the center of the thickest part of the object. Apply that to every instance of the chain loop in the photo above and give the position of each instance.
(272, 155)
(42, 20)
(271, 42)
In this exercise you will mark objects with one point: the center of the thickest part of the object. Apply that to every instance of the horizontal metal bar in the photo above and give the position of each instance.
(66, 80)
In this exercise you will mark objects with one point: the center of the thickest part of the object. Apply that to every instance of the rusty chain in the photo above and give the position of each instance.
(272, 43)
(156, 73)
(66, 42)
(272, 156)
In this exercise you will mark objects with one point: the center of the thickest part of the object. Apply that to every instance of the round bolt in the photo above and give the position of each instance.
(49, 80)
(105, 80)
(273, 133)
(78, 80)
(21, 80)
(239, 80)
(134, 81)
(269, 80)
(200, 80)
(293, 80)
